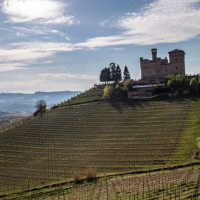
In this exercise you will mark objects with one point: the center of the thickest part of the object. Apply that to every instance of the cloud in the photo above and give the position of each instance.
(36, 11)
(105, 22)
(30, 82)
(19, 34)
(35, 30)
(159, 22)
(117, 49)
(11, 66)
(65, 75)
(22, 31)
(162, 21)
(32, 51)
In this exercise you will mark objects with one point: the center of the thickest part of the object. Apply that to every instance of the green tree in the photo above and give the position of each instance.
(118, 74)
(127, 85)
(102, 76)
(113, 72)
(178, 81)
(126, 74)
(105, 75)
(119, 92)
(109, 91)
(193, 83)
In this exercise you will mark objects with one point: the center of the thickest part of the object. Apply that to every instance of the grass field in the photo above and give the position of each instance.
(109, 136)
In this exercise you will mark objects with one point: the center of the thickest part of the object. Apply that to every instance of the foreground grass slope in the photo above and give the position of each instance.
(109, 136)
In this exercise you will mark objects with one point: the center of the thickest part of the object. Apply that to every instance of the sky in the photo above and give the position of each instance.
(57, 45)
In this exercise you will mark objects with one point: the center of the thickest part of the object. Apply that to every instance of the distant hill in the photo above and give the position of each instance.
(25, 103)
(2, 113)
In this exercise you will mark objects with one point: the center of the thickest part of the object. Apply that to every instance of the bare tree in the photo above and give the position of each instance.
(40, 107)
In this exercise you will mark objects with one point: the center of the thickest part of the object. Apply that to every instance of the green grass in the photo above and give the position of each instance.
(191, 132)
(91, 95)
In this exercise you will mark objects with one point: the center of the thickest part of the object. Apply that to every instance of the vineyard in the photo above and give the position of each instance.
(111, 137)
(164, 185)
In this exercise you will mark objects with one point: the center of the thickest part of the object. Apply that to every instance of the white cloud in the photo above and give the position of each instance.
(11, 66)
(19, 34)
(104, 23)
(55, 31)
(117, 49)
(22, 31)
(65, 75)
(159, 22)
(36, 11)
(30, 82)
(32, 51)
(35, 30)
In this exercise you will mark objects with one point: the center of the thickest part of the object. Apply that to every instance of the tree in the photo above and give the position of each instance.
(119, 92)
(109, 91)
(113, 72)
(40, 107)
(127, 85)
(102, 76)
(178, 81)
(193, 83)
(118, 74)
(126, 74)
(105, 75)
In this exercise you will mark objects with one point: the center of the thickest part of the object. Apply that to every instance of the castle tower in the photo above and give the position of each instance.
(154, 54)
(177, 60)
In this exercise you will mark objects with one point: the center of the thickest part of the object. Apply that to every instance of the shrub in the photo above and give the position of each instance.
(77, 178)
(91, 174)
(54, 107)
(185, 92)
(178, 81)
(193, 83)
(176, 93)
(127, 85)
(109, 91)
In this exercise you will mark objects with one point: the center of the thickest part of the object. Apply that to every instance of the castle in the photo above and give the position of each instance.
(157, 69)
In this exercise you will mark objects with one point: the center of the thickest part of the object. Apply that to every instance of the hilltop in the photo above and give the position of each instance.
(110, 136)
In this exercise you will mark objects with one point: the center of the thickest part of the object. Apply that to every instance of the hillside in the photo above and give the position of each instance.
(109, 136)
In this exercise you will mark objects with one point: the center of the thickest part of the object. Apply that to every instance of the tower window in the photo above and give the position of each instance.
(176, 68)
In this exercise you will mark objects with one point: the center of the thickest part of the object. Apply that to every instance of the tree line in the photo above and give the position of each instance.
(114, 73)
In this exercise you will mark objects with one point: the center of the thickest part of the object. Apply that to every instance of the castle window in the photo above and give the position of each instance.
(176, 60)
(176, 68)
(166, 70)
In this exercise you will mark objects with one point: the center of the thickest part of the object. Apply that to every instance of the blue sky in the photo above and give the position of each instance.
(54, 45)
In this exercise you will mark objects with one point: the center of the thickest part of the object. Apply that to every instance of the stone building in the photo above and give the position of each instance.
(157, 68)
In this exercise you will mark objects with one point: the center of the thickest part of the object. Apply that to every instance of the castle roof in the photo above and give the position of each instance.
(176, 50)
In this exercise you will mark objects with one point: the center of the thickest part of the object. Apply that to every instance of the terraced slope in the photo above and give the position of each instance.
(111, 137)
